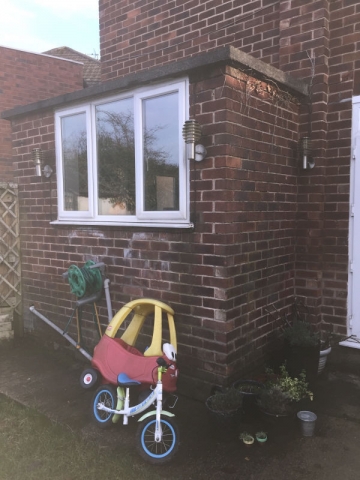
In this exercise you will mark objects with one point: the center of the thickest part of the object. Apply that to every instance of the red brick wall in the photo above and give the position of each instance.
(26, 78)
(317, 41)
(247, 189)
(220, 277)
(143, 34)
(265, 230)
(344, 82)
(304, 52)
(327, 31)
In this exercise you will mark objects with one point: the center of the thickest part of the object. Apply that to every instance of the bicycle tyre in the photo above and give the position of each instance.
(104, 394)
(151, 451)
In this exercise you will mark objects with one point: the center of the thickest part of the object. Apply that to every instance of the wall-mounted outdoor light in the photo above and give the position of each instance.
(306, 153)
(37, 156)
(191, 134)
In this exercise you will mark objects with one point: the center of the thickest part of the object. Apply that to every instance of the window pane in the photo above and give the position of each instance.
(75, 168)
(116, 157)
(161, 153)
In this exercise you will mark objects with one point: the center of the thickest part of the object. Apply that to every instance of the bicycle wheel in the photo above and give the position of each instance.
(157, 452)
(105, 394)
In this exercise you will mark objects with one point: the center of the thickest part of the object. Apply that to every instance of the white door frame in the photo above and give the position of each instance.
(353, 305)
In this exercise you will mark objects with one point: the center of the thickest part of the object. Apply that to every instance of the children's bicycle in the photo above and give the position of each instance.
(157, 437)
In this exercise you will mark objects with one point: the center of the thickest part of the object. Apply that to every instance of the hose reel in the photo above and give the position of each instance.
(86, 280)
(86, 283)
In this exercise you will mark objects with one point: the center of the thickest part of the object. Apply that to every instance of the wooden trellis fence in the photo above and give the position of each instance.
(10, 267)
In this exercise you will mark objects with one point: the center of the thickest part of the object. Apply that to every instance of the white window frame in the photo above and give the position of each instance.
(62, 213)
(168, 218)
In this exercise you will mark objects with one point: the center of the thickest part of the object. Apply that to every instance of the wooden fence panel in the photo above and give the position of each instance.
(10, 266)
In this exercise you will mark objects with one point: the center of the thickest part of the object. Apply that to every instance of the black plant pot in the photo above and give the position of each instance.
(250, 390)
(224, 423)
(300, 358)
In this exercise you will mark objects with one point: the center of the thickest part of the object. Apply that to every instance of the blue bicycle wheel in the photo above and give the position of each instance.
(105, 394)
(157, 452)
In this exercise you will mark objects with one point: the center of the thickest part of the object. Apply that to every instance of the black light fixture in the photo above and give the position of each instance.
(191, 134)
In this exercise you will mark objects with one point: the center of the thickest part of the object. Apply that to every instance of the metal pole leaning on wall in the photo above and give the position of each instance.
(65, 335)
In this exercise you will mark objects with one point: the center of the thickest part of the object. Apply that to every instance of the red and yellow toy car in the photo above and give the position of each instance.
(116, 354)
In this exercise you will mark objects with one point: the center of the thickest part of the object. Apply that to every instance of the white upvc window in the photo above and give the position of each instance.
(121, 160)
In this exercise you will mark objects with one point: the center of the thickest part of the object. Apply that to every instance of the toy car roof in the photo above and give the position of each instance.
(141, 308)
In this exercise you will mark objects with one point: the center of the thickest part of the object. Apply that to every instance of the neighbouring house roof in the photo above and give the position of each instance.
(92, 72)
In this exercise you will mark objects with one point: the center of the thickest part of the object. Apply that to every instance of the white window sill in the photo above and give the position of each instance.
(78, 223)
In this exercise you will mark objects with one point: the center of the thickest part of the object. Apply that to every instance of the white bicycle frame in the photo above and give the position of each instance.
(123, 406)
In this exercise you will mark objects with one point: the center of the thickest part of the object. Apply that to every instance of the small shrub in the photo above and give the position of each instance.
(282, 391)
(300, 334)
(274, 401)
(248, 387)
(230, 399)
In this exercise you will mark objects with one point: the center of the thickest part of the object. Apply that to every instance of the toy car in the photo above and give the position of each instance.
(114, 355)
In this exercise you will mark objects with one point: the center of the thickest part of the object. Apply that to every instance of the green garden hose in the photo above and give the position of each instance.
(84, 281)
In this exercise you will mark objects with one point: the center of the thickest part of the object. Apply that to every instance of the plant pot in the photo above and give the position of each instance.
(247, 439)
(261, 438)
(300, 358)
(275, 415)
(223, 420)
(323, 358)
(250, 390)
(307, 422)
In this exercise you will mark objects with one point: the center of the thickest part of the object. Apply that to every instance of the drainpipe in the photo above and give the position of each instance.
(108, 299)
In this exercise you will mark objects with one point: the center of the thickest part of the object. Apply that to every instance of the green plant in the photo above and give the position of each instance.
(325, 340)
(300, 333)
(248, 387)
(295, 387)
(274, 401)
(282, 391)
(225, 401)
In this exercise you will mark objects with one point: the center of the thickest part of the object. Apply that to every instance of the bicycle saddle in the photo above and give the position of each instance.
(124, 381)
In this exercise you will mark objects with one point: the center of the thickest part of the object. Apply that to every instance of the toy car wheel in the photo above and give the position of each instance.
(89, 379)
(105, 395)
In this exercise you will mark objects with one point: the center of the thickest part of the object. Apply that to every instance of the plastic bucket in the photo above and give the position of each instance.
(307, 421)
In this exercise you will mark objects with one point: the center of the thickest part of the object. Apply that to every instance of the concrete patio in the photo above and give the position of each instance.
(48, 380)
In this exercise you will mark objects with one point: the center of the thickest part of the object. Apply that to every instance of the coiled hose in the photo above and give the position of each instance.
(84, 281)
